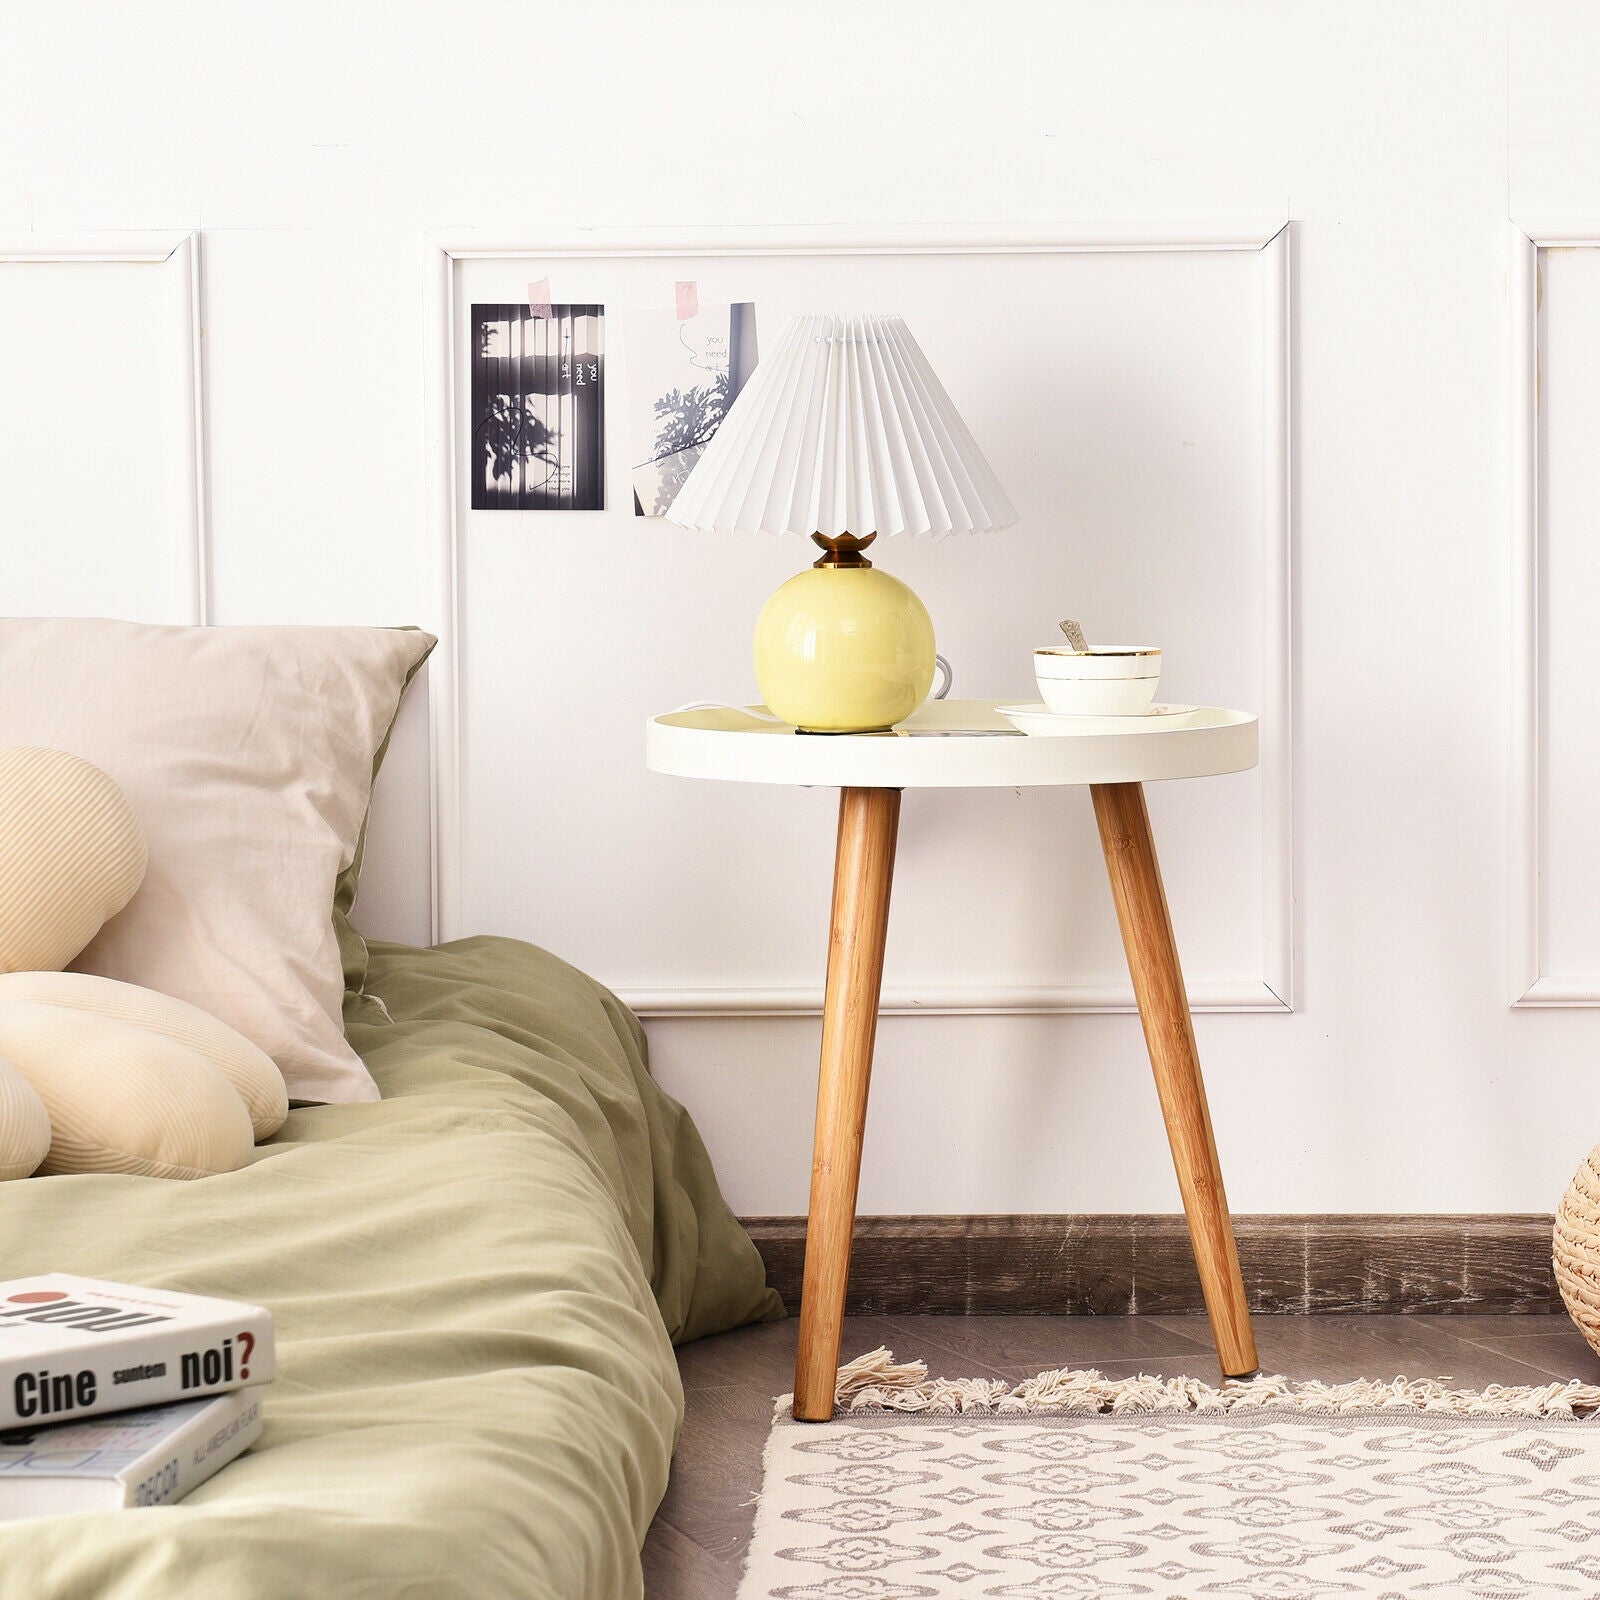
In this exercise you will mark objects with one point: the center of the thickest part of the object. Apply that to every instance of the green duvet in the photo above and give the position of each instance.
(474, 1282)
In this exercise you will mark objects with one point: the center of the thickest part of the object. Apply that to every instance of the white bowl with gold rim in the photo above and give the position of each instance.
(1108, 680)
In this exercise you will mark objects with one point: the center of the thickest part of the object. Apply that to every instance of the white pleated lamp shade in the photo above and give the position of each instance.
(843, 428)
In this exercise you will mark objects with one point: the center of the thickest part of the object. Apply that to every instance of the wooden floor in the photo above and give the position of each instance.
(696, 1545)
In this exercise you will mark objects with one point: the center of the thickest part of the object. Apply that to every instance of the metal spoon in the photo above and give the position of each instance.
(1074, 634)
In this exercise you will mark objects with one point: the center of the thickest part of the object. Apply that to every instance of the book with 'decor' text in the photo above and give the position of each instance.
(150, 1457)
(75, 1347)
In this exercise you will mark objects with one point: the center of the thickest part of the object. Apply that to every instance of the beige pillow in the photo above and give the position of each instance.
(251, 1071)
(122, 1099)
(247, 755)
(71, 855)
(24, 1125)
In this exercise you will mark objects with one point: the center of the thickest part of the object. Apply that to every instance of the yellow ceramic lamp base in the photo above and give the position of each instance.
(844, 649)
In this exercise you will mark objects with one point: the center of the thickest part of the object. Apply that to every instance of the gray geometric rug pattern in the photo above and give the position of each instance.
(1247, 1504)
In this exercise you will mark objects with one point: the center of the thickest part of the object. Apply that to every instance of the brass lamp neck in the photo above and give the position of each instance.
(843, 550)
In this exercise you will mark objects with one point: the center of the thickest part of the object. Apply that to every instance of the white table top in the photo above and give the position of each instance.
(948, 744)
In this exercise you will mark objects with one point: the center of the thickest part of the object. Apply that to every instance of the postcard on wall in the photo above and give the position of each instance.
(682, 375)
(538, 408)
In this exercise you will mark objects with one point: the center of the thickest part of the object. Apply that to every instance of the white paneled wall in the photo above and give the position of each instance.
(1147, 431)
(104, 506)
(1555, 364)
(1443, 501)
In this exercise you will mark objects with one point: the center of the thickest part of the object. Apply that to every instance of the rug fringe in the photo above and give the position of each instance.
(877, 1382)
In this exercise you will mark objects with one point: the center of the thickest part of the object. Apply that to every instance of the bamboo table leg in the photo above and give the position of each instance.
(862, 872)
(1152, 952)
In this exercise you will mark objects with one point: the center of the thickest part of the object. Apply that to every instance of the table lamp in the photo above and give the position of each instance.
(844, 433)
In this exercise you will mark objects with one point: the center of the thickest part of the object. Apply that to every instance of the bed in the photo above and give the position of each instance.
(477, 1281)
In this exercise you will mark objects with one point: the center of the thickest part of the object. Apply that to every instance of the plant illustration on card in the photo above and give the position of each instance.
(683, 374)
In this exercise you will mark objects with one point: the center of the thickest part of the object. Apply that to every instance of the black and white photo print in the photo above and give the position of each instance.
(538, 408)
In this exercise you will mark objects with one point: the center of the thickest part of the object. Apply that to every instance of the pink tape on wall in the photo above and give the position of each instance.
(688, 300)
(539, 298)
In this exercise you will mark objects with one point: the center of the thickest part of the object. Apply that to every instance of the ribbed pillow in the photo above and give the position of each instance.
(121, 1099)
(250, 1070)
(24, 1125)
(72, 854)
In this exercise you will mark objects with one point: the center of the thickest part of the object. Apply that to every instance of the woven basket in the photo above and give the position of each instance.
(1577, 1248)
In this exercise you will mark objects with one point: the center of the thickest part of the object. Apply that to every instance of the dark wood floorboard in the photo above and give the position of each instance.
(1557, 1347)
(1018, 1347)
(696, 1545)
(676, 1568)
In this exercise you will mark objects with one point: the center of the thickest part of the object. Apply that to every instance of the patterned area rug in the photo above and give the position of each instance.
(1075, 1485)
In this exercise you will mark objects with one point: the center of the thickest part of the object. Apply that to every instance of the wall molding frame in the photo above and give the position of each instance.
(176, 253)
(1268, 241)
(947, 1000)
(1532, 987)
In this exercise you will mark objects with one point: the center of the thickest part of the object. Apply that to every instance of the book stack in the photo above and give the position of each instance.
(112, 1395)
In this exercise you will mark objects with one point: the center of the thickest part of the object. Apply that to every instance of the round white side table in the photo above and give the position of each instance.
(967, 744)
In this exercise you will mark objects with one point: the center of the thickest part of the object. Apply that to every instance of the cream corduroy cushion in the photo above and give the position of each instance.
(250, 1070)
(72, 854)
(24, 1125)
(122, 1099)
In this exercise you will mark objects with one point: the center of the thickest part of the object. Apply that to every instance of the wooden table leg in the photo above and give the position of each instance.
(862, 873)
(1152, 951)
